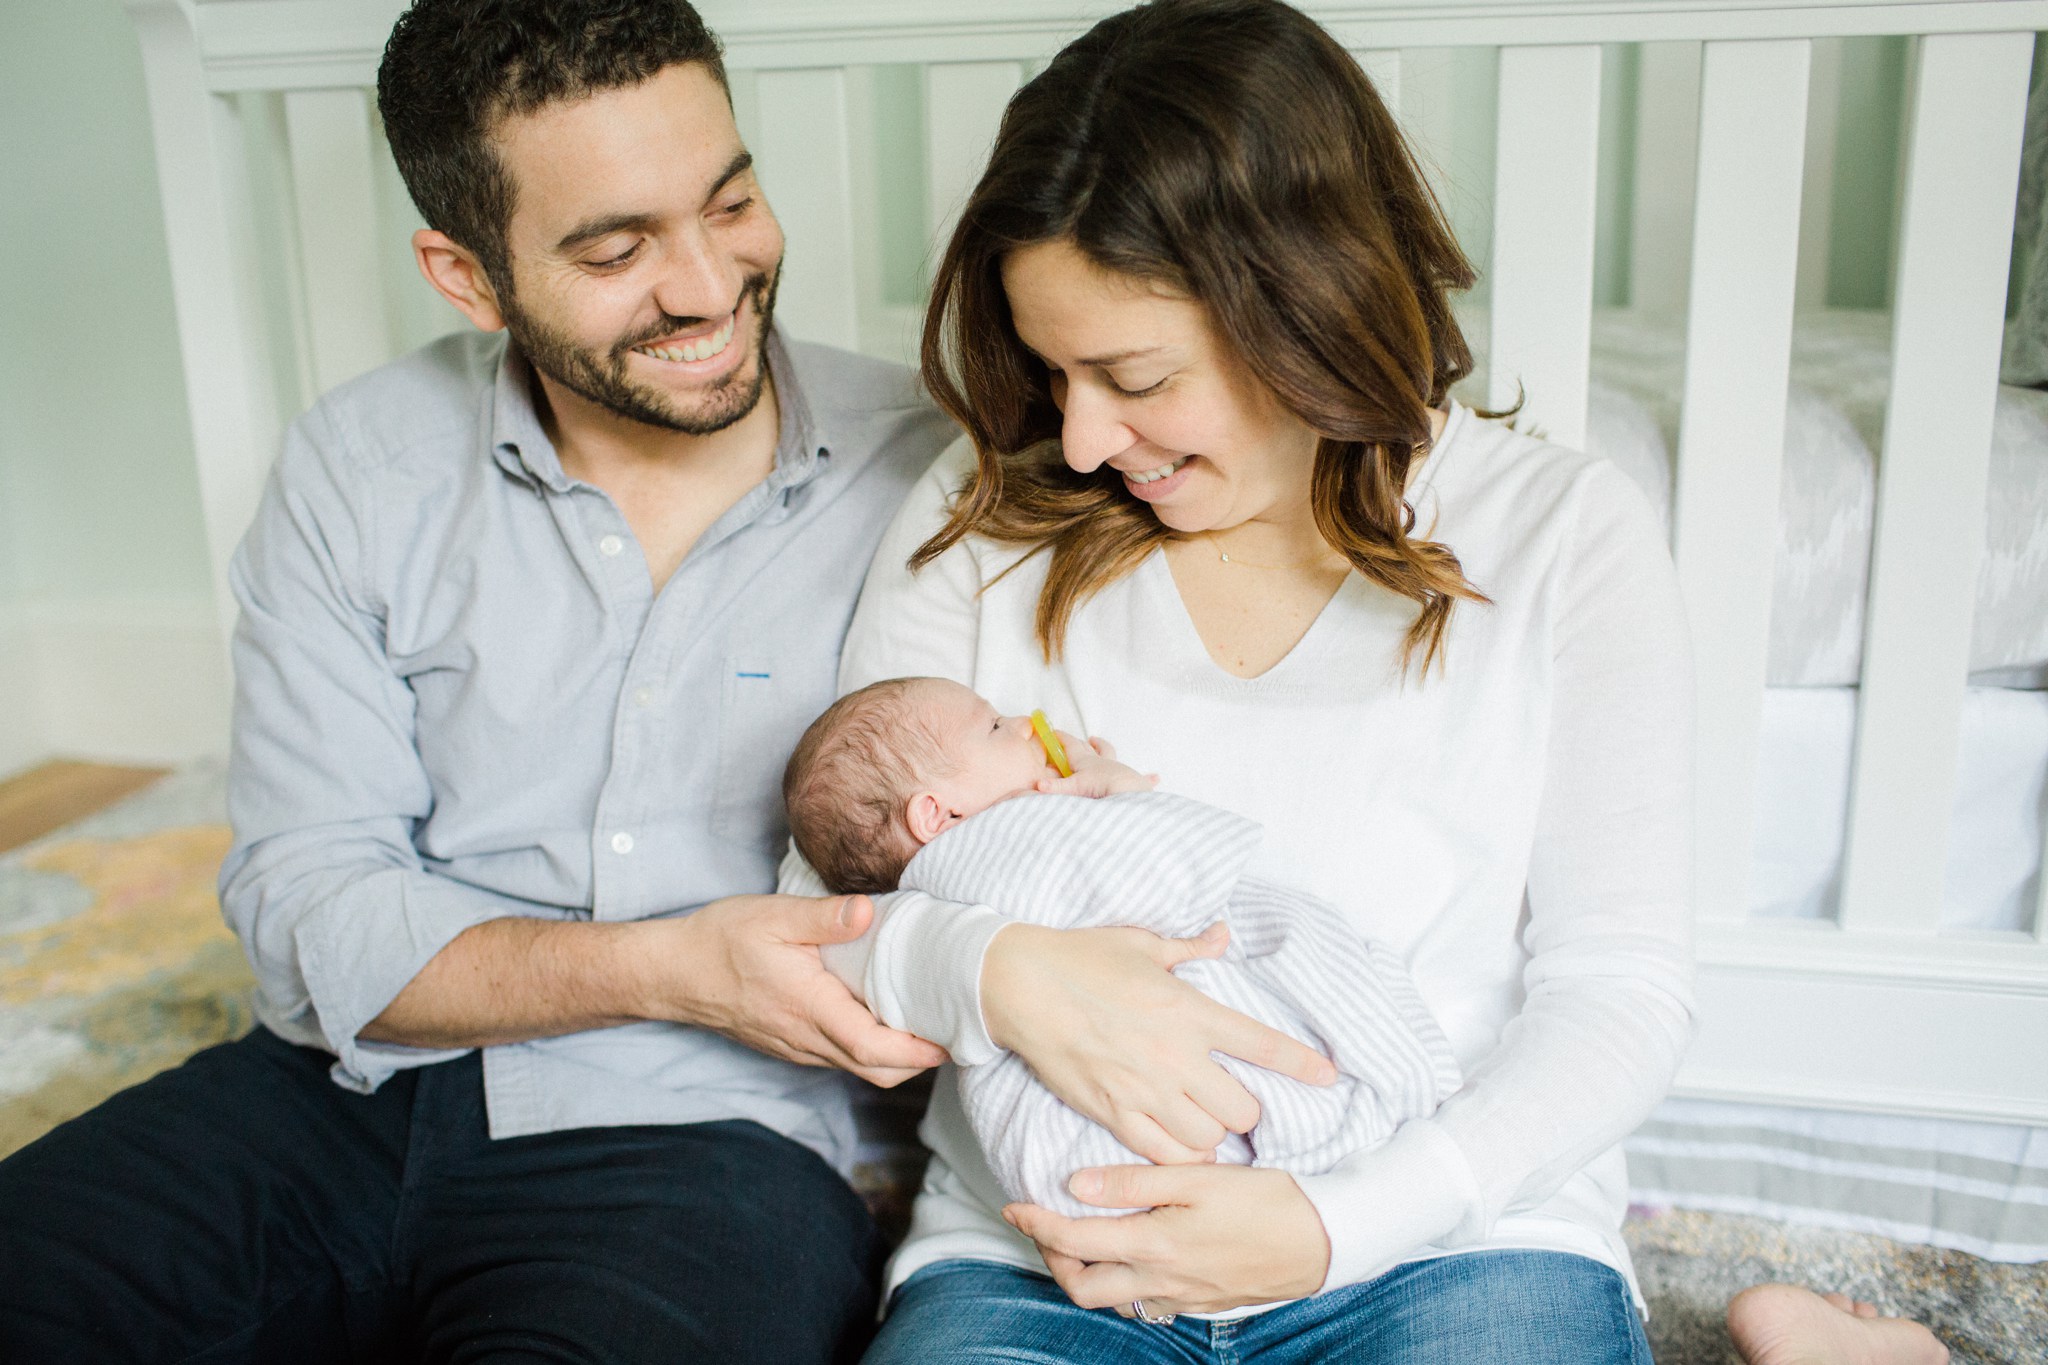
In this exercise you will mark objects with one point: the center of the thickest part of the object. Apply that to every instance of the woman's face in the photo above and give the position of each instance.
(1146, 385)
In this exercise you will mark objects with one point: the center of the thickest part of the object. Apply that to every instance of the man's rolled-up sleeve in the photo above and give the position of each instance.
(324, 887)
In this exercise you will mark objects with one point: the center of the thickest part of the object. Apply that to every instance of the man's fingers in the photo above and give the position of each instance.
(863, 1041)
(1249, 1040)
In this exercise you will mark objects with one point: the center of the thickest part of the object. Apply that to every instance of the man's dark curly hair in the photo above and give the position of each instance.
(453, 69)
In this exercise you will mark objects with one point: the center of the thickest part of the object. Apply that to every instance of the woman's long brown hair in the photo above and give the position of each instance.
(1232, 151)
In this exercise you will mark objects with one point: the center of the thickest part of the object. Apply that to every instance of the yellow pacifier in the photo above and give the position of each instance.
(1055, 752)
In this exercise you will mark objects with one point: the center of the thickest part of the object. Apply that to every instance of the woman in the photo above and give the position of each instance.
(1216, 503)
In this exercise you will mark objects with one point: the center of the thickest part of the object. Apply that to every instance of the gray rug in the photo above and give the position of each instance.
(1692, 1263)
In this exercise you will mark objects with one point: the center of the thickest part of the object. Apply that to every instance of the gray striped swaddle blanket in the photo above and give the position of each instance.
(1176, 866)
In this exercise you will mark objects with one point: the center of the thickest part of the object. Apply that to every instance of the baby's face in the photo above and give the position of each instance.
(995, 757)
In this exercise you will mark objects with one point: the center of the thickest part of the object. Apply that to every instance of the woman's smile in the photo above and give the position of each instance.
(1160, 481)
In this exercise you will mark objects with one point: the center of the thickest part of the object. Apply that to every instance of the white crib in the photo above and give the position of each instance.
(283, 238)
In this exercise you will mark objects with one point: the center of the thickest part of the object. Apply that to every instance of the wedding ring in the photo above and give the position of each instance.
(1150, 1319)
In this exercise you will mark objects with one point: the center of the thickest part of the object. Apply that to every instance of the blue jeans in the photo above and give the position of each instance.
(1482, 1308)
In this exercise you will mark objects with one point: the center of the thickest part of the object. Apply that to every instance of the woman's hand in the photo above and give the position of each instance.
(1099, 1017)
(1212, 1238)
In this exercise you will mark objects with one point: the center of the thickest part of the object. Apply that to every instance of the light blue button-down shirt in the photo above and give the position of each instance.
(458, 697)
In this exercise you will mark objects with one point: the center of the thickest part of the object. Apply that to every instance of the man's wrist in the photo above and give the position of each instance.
(643, 956)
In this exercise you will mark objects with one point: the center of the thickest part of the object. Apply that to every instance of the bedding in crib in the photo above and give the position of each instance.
(1841, 375)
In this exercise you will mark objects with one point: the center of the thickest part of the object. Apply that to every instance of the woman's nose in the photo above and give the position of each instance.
(1091, 433)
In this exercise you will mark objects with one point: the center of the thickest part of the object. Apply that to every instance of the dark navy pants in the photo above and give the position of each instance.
(243, 1207)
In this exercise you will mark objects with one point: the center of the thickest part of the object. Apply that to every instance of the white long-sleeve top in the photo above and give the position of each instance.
(1517, 825)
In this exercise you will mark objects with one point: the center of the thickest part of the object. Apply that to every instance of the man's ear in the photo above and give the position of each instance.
(928, 817)
(459, 277)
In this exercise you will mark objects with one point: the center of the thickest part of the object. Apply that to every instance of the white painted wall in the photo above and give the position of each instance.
(106, 648)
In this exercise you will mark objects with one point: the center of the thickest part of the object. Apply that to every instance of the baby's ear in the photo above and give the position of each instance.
(926, 816)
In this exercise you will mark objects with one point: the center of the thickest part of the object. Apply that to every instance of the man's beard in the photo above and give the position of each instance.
(603, 379)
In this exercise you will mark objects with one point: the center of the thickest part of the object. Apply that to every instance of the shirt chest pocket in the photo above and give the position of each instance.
(766, 701)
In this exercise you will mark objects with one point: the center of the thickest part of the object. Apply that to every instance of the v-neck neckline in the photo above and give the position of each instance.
(1158, 574)
(1162, 581)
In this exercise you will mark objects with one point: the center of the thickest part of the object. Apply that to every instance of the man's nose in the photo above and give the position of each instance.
(1092, 432)
(698, 281)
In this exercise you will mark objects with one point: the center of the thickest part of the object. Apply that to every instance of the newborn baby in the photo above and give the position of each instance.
(919, 784)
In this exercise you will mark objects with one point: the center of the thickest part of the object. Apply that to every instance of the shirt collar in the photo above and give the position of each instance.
(522, 449)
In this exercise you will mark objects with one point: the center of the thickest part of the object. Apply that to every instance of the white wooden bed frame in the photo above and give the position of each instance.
(1881, 1010)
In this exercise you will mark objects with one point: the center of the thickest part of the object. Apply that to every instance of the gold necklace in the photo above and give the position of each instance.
(1323, 560)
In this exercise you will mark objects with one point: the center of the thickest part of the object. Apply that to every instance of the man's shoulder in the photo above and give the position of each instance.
(432, 398)
(876, 407)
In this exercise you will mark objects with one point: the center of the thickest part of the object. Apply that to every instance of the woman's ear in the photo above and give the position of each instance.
(927, 816)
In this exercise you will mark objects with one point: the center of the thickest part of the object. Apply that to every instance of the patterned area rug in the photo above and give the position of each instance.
(114, 965)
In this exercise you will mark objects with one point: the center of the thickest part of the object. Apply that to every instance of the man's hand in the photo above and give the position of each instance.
(745, 966)
(748, 967)
(1096, 771)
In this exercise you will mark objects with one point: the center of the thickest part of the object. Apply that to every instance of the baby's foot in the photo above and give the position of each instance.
(1782, 1324)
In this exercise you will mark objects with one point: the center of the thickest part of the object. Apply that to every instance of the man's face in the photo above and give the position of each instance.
(643, 256)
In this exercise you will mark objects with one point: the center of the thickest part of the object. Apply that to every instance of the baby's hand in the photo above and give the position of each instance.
(1096, 771)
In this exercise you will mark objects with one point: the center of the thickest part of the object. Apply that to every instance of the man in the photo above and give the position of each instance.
(527, 631)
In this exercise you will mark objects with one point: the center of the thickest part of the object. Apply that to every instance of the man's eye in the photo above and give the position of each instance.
(613, 262)
(736, 208)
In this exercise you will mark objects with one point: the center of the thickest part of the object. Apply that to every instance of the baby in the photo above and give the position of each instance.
(920, 784)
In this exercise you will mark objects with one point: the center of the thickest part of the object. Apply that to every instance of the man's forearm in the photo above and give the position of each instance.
(508, 980)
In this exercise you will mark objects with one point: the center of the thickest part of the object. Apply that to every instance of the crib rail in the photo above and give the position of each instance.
(1880, 1009)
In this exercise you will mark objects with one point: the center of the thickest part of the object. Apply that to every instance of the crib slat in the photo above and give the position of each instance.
(334, 197)
(230, 369)
(1817, 199)
(1666, 162)
(1969, 100)
(1383, 68)
(1543, 221)
(1731, 438)
(2041, 888)
(805, 162)
(963, 106)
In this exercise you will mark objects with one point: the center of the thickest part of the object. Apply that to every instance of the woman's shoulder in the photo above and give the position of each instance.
(1490, 475)
(929, 507)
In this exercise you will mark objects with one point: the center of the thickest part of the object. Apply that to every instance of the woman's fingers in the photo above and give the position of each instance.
(1192, 1126)
(1223, 1097)
(1171, 952)
(1082, 1239)
(1143, 1134)
(1248, 1040)
(1131, 1187)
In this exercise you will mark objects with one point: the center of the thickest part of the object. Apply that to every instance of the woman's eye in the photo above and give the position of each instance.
(1137, 393)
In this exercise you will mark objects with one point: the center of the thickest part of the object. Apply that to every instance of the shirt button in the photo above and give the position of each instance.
(643, 696)
(611, 545)
(622, 842)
